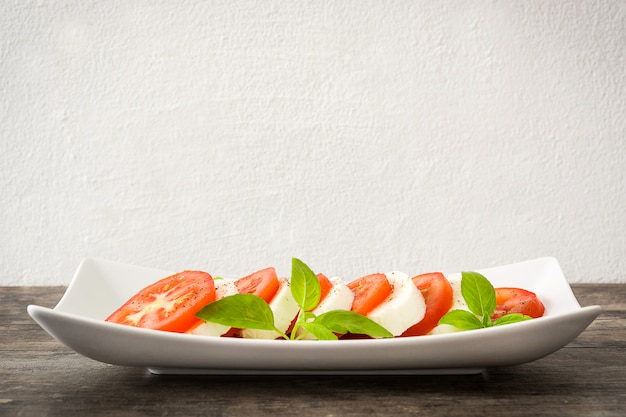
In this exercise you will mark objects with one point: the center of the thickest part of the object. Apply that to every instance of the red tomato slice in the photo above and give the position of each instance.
(325, 286)
(263, 283)
(369, 291)
(517, 300)
(437, 293)
(169, 304)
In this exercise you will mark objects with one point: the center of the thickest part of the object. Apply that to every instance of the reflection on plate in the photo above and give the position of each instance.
(99, 287)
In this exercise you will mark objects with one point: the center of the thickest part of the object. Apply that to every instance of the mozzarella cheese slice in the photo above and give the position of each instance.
(285, 309)
(223, 288)
(340, 297)
(403, 308)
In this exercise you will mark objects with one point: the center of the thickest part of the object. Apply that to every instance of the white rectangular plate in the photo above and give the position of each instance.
(100, 287)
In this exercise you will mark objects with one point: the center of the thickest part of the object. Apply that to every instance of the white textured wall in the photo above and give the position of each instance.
(357, 135)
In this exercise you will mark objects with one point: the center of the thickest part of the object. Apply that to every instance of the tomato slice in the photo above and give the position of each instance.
(369, 291)
(517, 300)
(263, 283)
(438, 296)
(169, 304)
(325, 286)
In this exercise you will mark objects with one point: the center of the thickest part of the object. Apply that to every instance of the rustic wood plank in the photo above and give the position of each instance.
(39, 376)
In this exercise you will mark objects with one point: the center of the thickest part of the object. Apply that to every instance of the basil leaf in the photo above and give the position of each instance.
(344, 321)
(307, 315)
(305, 287)
(243, 311)
(461, 319)
(479, 294)
(319, 331)
(511, 318)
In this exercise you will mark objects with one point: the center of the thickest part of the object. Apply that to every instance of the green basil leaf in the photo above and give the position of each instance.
(511, 318)
(243, 311)
(305, 287)
(319, 331)
(344, 321)
(307, 315)
(461, 319)
(478, 293)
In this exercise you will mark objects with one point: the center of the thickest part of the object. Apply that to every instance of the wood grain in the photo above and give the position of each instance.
(39, 377)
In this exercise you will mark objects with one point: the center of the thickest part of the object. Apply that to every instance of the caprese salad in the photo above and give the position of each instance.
(263, 305)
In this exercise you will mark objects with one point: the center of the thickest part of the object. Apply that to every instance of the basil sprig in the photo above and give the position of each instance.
(248, 311)
(480, 297)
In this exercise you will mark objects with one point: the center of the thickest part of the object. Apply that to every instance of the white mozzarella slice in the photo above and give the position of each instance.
(340, 297)
(403, 308)
(223, 288)
(458, 302)
(285, 309)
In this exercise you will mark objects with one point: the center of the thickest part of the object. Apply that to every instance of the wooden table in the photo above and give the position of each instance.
(41, 377)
